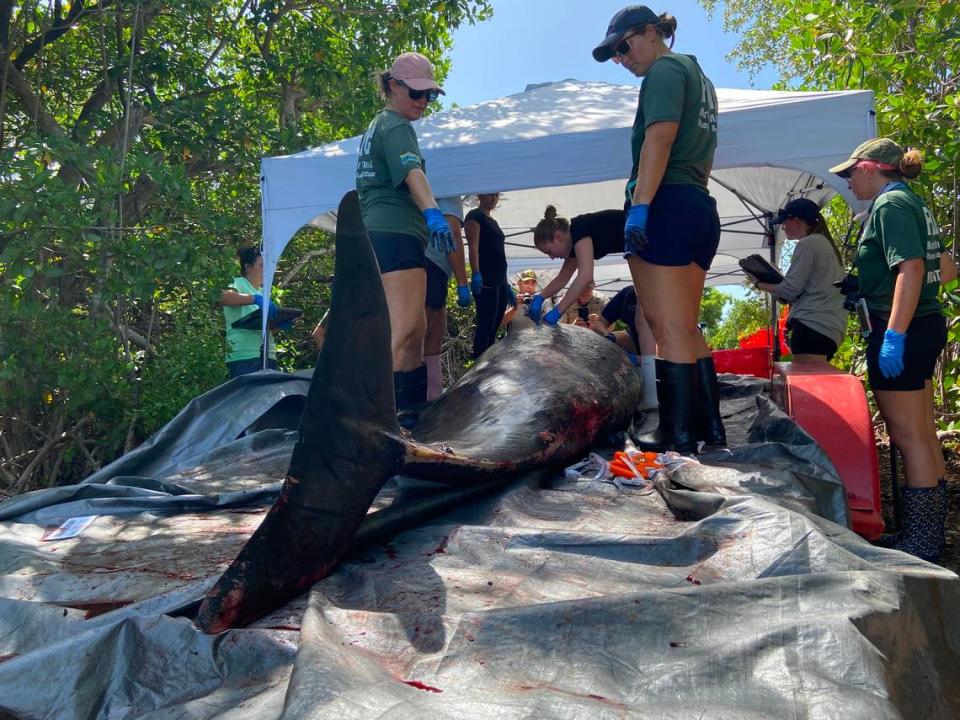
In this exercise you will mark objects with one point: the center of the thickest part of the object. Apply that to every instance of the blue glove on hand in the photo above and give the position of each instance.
(634, 360)
(476, 283)
(536, 307)
(552, 317)
(511, 296)
(270, 310)
(891, 354)
(635, 230)
(440, 236)
(463, 296)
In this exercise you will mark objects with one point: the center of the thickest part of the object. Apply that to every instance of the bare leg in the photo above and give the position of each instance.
(935, 446)
(405, 291)
(670, 297)
(432, 347)
(906, 416)
(648, 343)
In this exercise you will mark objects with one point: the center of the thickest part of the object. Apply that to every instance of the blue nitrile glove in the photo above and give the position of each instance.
(634, 360)
(891, 353)
(284, 325)
(476, 283)
(552, 317)
(635, 230)
(271, 309)
(440, 236)
(463, 295)
(536, 307)
(511, 296)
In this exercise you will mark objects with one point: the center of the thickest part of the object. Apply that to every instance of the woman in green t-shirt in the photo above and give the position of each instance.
(672, 227)
(401, 216)
(898, 265)
(242, 297)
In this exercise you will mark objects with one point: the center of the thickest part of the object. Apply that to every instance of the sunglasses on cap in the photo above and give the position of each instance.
(431, 94)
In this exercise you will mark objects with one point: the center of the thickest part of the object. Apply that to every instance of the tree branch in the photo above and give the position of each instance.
(59, 28)
(6, 12)
(18, 83)
(303, 261)
(223, 40)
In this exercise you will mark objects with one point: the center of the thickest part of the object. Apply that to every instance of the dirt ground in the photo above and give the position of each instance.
(951, 556)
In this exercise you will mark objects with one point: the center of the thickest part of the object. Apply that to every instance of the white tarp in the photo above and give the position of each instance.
(567, 144)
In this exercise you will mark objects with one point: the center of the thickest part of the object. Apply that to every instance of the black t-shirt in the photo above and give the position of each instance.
(623, 306)
(604, 227)
(493, 261)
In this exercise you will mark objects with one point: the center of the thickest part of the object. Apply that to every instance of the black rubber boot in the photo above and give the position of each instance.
(922, 533)
(709, 421)
(410, 391)
(677, 400)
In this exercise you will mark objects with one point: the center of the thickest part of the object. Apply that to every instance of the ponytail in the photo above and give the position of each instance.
(550, 224)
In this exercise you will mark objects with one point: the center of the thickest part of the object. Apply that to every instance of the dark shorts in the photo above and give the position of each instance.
(245, 367)
(436, 287)
(926, 338)
(397, 251)
(804, 340)
(683, 227)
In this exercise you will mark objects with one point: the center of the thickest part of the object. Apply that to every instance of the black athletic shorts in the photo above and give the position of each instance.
(397, 251)
(926, 338)
(436, 286)
(683, 227)
(804, 340)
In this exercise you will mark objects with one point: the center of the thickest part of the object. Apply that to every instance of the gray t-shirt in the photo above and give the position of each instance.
(808, 287)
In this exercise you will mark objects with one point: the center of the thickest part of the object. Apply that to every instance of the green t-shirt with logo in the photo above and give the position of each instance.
(901, 227)
(388, 151)
(244, 344)
(676, 90)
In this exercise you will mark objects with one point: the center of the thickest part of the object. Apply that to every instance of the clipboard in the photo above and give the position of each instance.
(761, 269)
(254, 320)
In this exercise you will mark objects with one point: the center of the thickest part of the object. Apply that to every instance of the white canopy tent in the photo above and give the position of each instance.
(567, 144)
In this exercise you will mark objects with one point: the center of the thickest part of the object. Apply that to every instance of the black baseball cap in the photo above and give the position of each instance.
(629, 17)
(802, 208)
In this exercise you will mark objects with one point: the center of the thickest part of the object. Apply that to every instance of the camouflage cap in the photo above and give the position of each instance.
(881, 150)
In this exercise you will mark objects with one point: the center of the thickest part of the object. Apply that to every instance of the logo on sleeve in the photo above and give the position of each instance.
(409, 158)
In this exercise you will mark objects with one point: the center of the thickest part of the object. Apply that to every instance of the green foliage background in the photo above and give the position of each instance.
(908, 53)
(130, 138)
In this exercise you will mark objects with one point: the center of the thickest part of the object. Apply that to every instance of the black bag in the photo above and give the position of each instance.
(254, 320)
(761, 269)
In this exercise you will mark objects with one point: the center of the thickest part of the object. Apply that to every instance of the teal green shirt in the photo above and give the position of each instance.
(901, 227)
(388, 151)
(244, 344)
(676, 90)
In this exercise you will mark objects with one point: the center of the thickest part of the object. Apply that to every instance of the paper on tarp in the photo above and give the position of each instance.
(735, 591)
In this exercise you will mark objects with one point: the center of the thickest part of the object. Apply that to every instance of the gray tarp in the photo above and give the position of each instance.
(733, 591)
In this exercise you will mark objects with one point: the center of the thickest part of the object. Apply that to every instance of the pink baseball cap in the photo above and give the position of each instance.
(415, 71)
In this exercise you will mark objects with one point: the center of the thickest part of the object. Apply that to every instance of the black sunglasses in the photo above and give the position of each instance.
(623, 47)
(432, 94)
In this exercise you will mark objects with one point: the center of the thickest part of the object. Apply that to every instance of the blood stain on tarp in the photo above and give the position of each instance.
(97, 608)
(589, 696)
(692, 579)
(391, 551)
(422, 686)
(4, 658)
